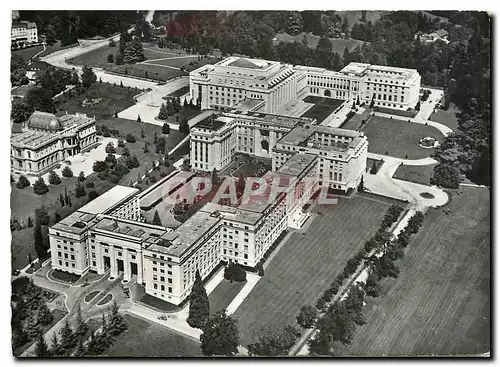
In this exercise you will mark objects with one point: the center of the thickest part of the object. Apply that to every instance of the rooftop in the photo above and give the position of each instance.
(356, 68)
(296, 164)
(183, 237)
(32, 138)
(109, 200)
(172, 182)
(210, 122)
(248, 63)
(77, 222)
(248, 104)
(300, 135)
(44, 121)
(145, 232)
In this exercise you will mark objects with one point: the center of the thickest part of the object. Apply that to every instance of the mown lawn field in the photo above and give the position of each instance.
(307, 264)
(146, 339)
(448, 117)
(440, 303)
(223, 294)
(398, 138)
(417, 174)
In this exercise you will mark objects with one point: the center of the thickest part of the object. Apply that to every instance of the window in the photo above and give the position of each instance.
(169, 273)
(59, 254)
(162, 279)
(162, 287)
(72, 257)
(60, 262)
(93, 263)
(169, 280)
(155, 286)
(169, 289)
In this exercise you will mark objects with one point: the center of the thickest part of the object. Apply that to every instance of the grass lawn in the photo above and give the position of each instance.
(224, 294)
(440, 303)
(146, 339)
(116, 98)
(322, 108)
(105, 300)
(306, 265)
(355, 122)
(394, 111)
(448, 118)
(27, 53)
(64, 276)
(418, 174)
(158, 303)
(398, 138)
(90, 296)
(249, 169)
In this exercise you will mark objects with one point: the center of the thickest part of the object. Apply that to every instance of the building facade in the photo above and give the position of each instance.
(47, 140)
(23, 34)
(235, 79)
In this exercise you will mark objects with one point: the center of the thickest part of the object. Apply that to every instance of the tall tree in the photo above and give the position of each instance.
(220, 335)
(68, 340)
(81, 326)
(274, 341)
(88, 76)
(38, 239)
(156, 219)
(199, 306)
(41, 348)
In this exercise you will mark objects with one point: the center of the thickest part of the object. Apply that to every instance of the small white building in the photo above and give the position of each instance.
(23, 34)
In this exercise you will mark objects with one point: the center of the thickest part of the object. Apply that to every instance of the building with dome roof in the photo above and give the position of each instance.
(48, 140)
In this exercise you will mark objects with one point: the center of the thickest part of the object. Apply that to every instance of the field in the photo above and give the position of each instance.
(146, 339)
(224, 294)
(398, 138)
(355, 122)
(161, 70)
(307, 264)
(440, 303)
(448, 118)
(394, 111)
(116, 98)
(28, 53)
(322, 108)
(418, 174)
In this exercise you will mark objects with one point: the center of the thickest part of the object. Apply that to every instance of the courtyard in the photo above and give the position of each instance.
(399, 138)
(440, 303)
(322, 108)
(307, 263)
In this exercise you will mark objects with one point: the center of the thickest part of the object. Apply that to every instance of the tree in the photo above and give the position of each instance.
(81, 176)
(67, 172)
(240, 185)
(215, 178)
(44, 316)
(75, 79)
(116, 323)
(110, 148)
(88, 76)
(111, 59)
(220, 335)
(274, 342)
(199, 306)
(345, 27)
(81, 351)
(68, 340)
(79, 190)
(234, 272)
(184, 126)
(155, 138)
(156, 219)
(374, 168)
(40, 99)
(361, 186)
(57, 217)
(133, 52)
(81, 326)
(165, 129)
(30, 222)
(55, 348)
(20, 111)
(446, 175)
(163, 115)
(54, 178)
(142, 132)
(307, 316)
(139, 118)
(99, 166)
(131, 138)
(121, 143)
(41, 348)
(40, 187)
(126, 152)
(22, 182)
(42, 216)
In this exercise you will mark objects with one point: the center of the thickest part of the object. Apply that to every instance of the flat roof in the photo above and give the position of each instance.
(162, 190)
(211, 122)
(110, 199)
(297, 164)
(77, 222)
(145, 232)
(249, 63)
(248, 104)
(34, 138)
(187, 234)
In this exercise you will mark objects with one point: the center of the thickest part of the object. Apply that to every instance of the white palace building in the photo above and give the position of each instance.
(242, 98)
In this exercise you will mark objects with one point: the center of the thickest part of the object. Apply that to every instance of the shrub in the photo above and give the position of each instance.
(327, 295)
(54, 178)
(121, 143)
(320, 304)
(307, 316)
(22, 182)
(92, 195)
(67, 172)
(40, 187)
(234, 272)
(90, 185)
(130, 138)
